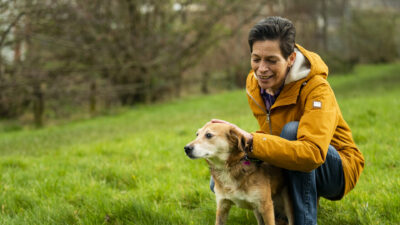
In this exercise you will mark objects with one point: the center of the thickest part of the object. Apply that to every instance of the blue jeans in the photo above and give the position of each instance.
(326, 181)
(305, 188)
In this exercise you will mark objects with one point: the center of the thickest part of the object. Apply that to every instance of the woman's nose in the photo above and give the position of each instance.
(263, 67)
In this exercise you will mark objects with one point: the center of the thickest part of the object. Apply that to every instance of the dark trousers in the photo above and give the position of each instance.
(326, 181)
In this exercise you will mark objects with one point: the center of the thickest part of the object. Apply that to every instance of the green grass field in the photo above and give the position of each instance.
(131, 168)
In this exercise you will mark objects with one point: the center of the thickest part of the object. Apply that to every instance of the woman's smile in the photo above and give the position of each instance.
(265, 77)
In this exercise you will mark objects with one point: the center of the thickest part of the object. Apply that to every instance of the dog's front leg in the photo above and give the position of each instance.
(223, 207)
(266, 206)
(259, 218)
(267, 212)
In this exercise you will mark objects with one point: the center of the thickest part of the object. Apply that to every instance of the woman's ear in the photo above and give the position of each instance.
(291, 59)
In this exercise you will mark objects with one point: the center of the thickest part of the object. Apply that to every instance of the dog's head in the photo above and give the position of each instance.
(216, 141)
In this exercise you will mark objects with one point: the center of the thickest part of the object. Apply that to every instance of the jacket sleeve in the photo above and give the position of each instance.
(316, 128)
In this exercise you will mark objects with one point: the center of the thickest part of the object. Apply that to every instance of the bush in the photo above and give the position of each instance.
(370, 36)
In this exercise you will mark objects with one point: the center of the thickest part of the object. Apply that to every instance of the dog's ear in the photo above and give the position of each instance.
(237, 140)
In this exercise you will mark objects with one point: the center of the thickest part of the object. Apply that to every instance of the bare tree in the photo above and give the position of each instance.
(83, 54)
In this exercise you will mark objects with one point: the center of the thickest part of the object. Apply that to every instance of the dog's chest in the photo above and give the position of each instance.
(243, 195)
(232, 191)
(247, 200)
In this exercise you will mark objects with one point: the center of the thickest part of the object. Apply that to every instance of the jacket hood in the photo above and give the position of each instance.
(307, 64)
(300, 68)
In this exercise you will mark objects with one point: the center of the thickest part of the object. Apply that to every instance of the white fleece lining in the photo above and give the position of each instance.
(299, 70)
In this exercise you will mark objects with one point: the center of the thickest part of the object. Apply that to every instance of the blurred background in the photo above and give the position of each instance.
(71, 59)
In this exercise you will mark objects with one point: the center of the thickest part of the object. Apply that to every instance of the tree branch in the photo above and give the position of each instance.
(10, 26)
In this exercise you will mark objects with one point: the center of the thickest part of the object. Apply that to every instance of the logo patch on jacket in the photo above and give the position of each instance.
(317, 104)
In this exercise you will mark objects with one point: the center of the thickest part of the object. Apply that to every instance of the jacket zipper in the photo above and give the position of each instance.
(267, 112)
(269, 121)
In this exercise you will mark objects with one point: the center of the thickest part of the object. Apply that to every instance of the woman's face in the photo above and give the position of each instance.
(269, 64)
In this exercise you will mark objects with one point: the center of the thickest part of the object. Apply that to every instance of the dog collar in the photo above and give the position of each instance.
(247, 161)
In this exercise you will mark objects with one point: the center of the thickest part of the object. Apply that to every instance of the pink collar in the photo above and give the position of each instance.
(246, 162)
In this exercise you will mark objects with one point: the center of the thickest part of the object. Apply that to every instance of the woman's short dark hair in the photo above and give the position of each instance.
(274, 28)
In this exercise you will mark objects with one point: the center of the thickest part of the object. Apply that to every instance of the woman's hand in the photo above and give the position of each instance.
(246, 134)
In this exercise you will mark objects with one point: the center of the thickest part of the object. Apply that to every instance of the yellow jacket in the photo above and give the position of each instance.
(308, 98)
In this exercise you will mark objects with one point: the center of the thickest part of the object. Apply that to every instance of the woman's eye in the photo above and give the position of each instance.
(208, 135)
(256, 60)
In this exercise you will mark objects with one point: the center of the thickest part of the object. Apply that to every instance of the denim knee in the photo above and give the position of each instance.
(212, 184)
(289, 131)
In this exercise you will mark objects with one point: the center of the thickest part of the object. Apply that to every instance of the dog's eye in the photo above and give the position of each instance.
(197, 134)
(208, 135)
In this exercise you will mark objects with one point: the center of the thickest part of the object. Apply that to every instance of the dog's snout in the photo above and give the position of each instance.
(189, 151)
(188, 148)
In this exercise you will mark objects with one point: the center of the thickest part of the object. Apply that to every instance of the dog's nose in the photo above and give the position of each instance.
(188, 148)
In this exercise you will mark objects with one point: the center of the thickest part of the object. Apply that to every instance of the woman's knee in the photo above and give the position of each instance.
(289, 131)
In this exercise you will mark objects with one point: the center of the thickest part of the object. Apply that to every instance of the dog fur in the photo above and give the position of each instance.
(256, 186)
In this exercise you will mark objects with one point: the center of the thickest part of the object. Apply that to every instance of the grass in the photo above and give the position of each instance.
(131, 168)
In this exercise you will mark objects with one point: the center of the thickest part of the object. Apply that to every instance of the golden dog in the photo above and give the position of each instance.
(252, 185)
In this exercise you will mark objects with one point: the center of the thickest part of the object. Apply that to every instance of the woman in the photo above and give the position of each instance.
(302, 128)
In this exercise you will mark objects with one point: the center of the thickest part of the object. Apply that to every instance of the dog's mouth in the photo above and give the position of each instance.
(190, 155)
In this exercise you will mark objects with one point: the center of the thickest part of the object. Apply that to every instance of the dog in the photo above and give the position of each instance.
(248, 184)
